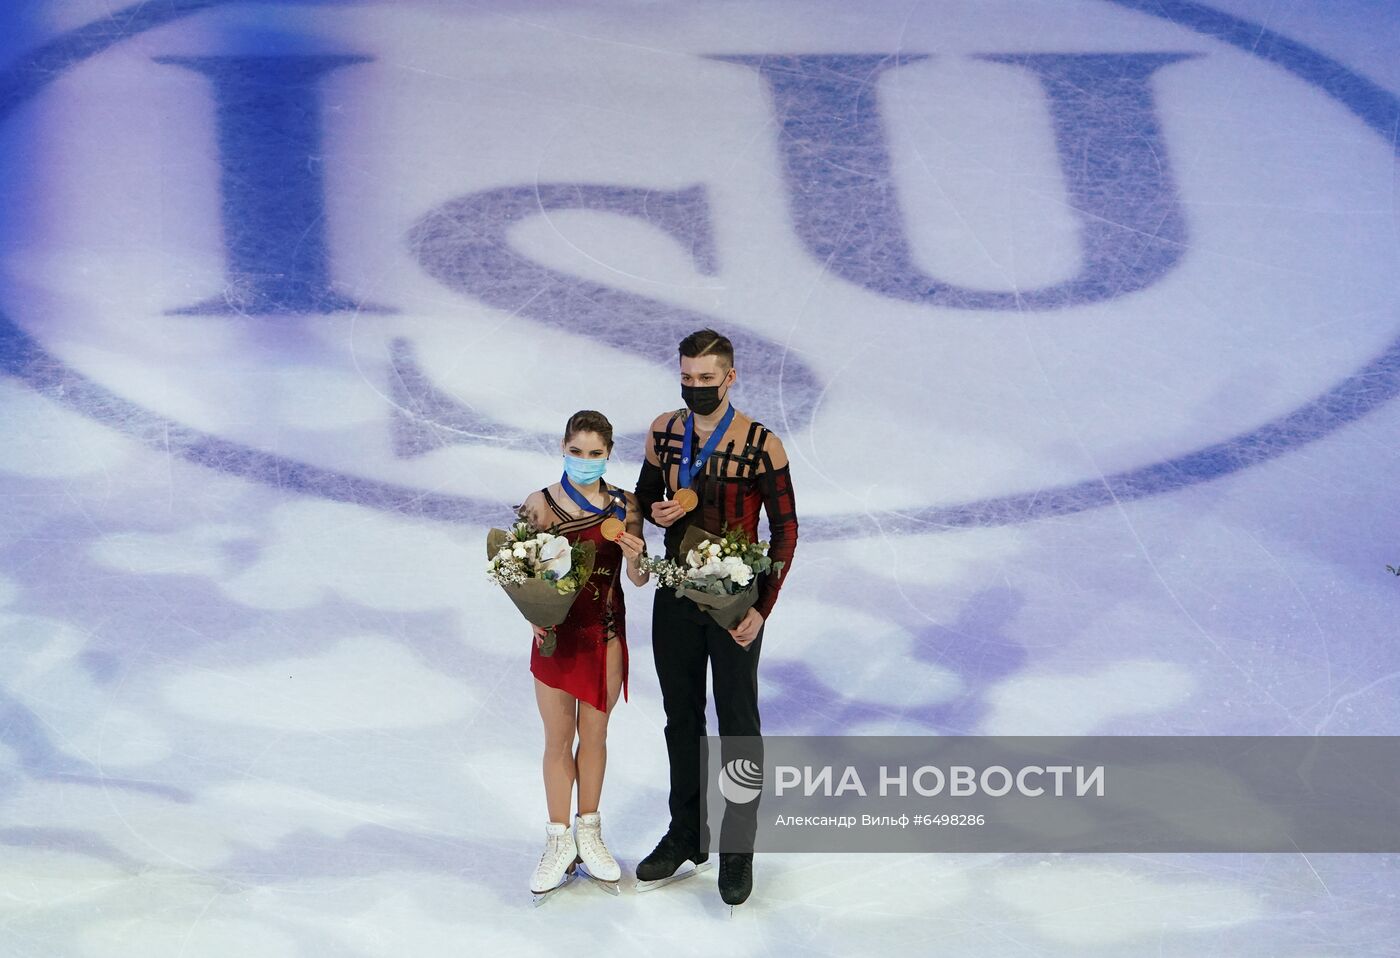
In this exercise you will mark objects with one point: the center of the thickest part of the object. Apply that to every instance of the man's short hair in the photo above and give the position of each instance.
(707, 342)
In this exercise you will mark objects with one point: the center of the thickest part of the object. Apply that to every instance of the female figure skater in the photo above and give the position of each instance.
(578, 685)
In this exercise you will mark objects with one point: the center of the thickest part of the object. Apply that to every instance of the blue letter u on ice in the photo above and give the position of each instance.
(843, 200)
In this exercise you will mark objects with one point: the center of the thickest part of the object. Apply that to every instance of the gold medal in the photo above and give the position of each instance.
(686, 499)
(612, 528)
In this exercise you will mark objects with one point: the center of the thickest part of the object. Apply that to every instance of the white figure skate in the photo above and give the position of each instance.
(598, 864)
(556, 867)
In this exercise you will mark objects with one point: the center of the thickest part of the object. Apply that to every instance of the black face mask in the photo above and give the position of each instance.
(701, 400)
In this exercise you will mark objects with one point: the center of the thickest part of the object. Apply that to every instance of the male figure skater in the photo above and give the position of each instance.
(724, 466)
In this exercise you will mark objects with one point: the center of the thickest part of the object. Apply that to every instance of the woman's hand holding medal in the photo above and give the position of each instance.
(633, 547)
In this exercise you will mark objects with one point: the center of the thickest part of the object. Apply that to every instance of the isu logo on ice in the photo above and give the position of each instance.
(740, 780)
(1006, 276)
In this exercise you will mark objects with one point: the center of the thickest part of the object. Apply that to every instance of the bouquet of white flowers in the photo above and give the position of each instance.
(720, 572)
(540, 572)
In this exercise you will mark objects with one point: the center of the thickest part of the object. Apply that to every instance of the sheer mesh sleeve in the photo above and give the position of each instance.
(651, 483)
(537, 512)
(634, 517)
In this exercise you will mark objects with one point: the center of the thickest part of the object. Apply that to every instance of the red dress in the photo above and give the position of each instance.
(579, 664)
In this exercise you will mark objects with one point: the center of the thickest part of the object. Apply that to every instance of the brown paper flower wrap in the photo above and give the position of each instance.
(729, 608)
(539, 599)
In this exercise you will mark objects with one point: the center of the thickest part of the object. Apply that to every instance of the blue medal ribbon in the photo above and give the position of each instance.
(689, 471)
(618, 507)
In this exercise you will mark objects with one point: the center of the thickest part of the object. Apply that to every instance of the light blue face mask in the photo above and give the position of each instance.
(583, 471)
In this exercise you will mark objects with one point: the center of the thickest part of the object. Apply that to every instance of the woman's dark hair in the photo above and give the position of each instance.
(589, 420)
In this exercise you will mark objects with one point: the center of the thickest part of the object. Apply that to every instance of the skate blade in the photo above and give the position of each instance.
(538, 898)
(608, 886)
(690, 872)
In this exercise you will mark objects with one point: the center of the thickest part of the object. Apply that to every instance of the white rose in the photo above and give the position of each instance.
(556, 555)
(740, 573)
(714, 548)
(543, 537)
(715, 568)
(519, 551)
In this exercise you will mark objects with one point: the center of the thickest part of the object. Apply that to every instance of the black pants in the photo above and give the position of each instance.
(683, 636)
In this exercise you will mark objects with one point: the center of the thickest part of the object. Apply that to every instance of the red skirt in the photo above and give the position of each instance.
(579, 664)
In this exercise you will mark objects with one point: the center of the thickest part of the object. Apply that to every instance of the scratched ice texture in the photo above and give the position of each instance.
(1078, 320)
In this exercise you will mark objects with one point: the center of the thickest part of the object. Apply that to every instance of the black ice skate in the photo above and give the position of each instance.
(659, 868)
(735, 877)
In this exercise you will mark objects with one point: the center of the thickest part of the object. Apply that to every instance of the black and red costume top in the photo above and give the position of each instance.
(747, 471)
